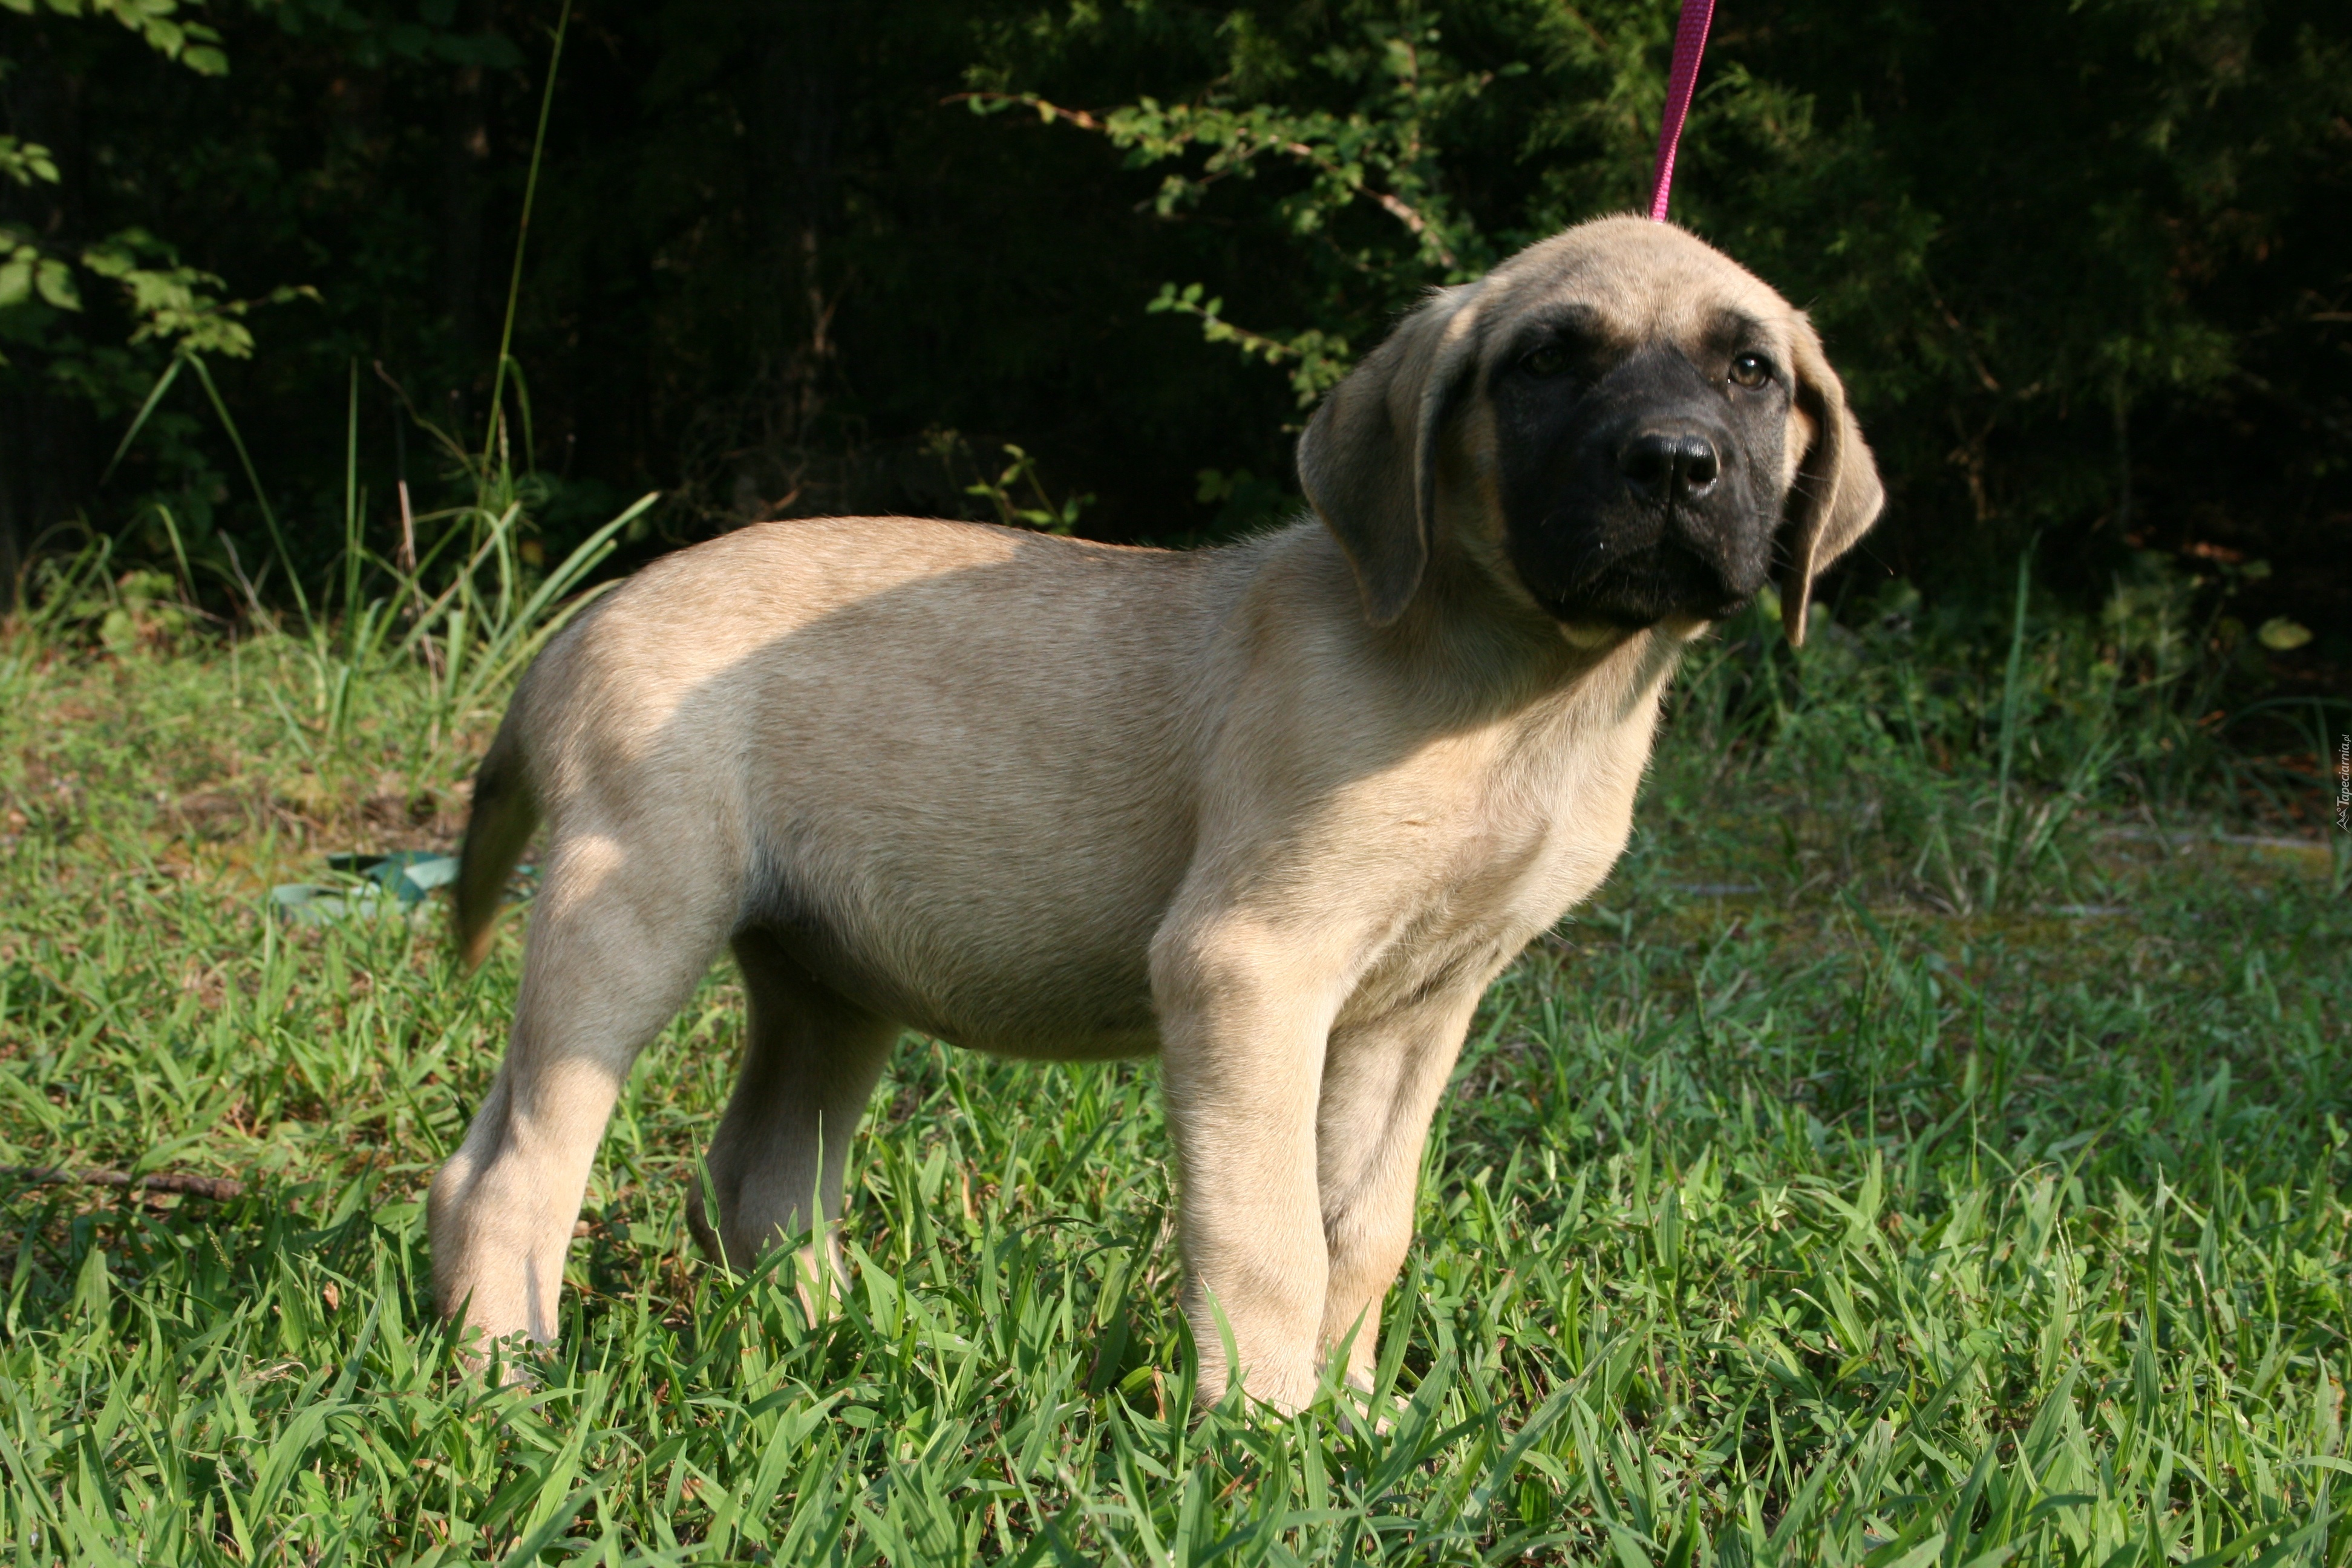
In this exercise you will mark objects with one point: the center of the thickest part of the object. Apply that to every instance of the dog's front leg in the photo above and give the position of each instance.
(1243, 1027)
(1381, 1079)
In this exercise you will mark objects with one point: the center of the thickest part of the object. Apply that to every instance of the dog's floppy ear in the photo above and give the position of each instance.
(1837, 493)
(1368, 461)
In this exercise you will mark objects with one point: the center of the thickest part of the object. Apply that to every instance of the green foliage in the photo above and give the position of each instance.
(2082, 265)
(1384, 150)
(1318, 360)
(1947, 753)
(1776, 1215)
(470, 601)
(158, 23)
(165, 302)
(26, 269)
(170, 303)
(78, 602)
(25, 161)
(1001, 493)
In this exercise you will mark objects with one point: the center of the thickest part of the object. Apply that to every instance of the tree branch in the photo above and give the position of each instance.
(1396, 206)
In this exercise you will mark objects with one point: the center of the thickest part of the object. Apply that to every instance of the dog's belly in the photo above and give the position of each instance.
(1043, 955)
(1097, 1009)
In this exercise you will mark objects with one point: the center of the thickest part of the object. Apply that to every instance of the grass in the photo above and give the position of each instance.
(1852, 1183)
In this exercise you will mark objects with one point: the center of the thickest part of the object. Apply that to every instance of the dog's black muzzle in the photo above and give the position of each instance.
(1648, 498)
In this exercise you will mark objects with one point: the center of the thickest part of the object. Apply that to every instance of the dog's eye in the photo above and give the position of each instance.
(1750, 370)
(1546, 361)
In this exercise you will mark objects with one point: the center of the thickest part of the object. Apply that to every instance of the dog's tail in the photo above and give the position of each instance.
(505, 811)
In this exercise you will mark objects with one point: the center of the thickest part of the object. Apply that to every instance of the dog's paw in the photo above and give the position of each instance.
(507, 1361)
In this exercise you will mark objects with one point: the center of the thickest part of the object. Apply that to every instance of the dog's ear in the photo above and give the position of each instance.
(1368, 461)
(1837, 493)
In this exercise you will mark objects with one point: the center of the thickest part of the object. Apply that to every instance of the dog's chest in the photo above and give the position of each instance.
(1506, 860)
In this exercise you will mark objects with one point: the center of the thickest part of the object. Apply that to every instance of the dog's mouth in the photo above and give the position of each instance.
(1634, 588)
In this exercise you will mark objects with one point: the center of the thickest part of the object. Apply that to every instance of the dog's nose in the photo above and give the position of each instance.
(1671, 464)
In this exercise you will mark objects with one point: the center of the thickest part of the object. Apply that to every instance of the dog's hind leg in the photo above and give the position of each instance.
(809, 1061)
(618, 940)
(1380, 1084)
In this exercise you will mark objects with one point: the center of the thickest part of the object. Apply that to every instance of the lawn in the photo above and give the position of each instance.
(1914, 1155)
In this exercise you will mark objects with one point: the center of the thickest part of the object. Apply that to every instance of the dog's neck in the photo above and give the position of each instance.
(1479, 635)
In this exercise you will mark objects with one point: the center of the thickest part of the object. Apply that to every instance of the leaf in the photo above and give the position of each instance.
(92, 1291)
(55, 279)
(543, 1535)
(25, 161)
(2281, 636)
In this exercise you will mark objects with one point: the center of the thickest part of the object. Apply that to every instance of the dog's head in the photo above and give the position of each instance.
(1611, 423)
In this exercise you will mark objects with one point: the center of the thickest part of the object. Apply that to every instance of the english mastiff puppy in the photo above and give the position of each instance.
(1277, 811)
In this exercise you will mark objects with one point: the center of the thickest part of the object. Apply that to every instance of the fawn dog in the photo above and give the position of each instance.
(1277, 810)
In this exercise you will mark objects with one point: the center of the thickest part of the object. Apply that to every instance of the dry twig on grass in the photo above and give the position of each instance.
(215, 1187)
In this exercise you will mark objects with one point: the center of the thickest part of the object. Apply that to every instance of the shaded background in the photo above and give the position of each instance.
(2088, 267)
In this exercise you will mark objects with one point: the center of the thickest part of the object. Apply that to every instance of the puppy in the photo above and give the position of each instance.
(1277, 810)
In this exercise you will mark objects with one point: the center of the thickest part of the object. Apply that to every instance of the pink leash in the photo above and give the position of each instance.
(1690, 42)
